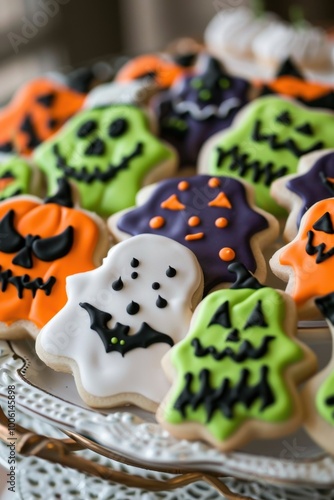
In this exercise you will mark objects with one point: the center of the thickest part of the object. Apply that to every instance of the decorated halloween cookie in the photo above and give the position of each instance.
(212, 216)
(318, 394)
(267, 138)
(235, 374)
(307, 262)
(109, 154)
(160, 68)
(298, 192)
(137, 92)
(37, 111)
(41, 243)
(17, 176)
(290, 82)
(197, 106)
(121, 318)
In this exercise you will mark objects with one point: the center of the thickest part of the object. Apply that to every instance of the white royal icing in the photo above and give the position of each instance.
(134, 92)
(69, 333)
(198, 113)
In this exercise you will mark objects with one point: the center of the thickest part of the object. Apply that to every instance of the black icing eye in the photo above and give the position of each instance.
(134, 262)
(86, 128)
(134, 275)
(155, 285)
(305, 129)
(256, 317)
(132, 308)
(46, 100)
(117, 285)
(284, 118)
(161, 302)
(6, 147)
(324, 224)
(222, 316)
(118, 127)
(171, 272)
(52, 123)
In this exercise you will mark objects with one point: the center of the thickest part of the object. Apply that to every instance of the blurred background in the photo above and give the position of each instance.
(44, 35)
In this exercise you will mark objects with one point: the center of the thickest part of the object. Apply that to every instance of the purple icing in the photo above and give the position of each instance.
(197, 107)
(243, 223)
(314, 185)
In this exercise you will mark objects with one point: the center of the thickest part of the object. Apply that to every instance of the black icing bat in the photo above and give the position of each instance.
(118, 338)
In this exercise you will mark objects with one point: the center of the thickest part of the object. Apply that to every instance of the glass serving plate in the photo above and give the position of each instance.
(133, 436)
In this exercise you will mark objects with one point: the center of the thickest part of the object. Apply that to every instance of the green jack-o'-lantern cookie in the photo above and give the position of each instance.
(16, 177)
(109, 153)
(265, 142)
(235, 374)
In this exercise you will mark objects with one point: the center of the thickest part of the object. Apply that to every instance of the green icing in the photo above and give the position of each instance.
(268, 109)
(325, 392)
(104, 196)
(15, 176)
(282, 352)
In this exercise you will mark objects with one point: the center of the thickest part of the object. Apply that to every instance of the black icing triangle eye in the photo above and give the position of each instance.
(46, 100)
(305, 129)
(221, 316)
(324, 224)
(55, 247)
(10, 240)
(86, 128)
(118, 127)
(6, 147)
(284, 118)
(256, 317)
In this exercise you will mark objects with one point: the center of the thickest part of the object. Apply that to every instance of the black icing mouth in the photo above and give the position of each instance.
(23, 282)
(246, 350)
(275, 144)
(261, 172)
(84, 175)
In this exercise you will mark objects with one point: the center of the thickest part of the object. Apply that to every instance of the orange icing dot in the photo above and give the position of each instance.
(194, 221)
(221, 222)
(227, 254)
(183, 186)
(172, 203)
(195, 236)
(157, 222)
(221, 200)
(214, 182)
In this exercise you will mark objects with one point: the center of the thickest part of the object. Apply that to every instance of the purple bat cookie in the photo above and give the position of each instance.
(209, 215)
(317, 184)
(197, 107)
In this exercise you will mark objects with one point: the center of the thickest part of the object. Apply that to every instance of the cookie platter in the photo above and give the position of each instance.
(134, 437)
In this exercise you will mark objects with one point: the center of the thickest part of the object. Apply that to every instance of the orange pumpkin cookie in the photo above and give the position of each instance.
(41, 243)
(37, 111)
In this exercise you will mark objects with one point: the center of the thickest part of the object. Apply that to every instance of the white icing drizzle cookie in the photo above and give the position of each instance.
(122, 318)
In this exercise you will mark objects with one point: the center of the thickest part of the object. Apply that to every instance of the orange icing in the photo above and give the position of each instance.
(310, 279)
(5, 182)
(195, 236)
(295, 87)
(194, 221)
(166, 72)
(221, 222)
(227, 254)
(157, 222)
(183, 186)
(214, 182)
(172, 203)
(46, 221)
(66, 103)
(221, 200)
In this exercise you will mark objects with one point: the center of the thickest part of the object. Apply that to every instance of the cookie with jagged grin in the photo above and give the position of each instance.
(318, 394)
(37, 111)
(109, 154)
(17, 176)
(212, 216)
(41, 243)
(235, 374)
(121, 318)
(307, 262)
(198, 106)
(265, 142)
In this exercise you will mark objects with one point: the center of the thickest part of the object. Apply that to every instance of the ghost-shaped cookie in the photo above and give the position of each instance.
(121, 319)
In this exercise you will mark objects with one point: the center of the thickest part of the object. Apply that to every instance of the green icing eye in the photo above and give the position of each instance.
(224, 83)
(205, 94)
(196, 83)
